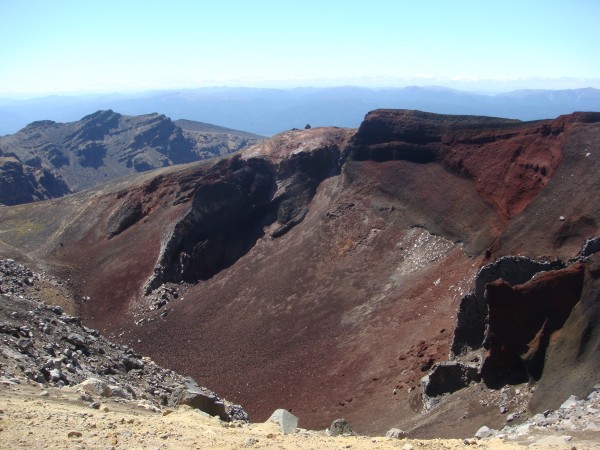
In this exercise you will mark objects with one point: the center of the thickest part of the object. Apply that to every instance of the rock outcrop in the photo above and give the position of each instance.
(473, 310)
(21, 183)
(522, 322)
(447, 377)
(232, 205)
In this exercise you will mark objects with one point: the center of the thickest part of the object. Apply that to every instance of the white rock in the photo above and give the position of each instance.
(395, 433)
(483, 432)
(118, 391)
(569, 403)
(95, 386)
(286, 420)
(523, 429)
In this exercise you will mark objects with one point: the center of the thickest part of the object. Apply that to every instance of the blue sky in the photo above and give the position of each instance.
(110, 46)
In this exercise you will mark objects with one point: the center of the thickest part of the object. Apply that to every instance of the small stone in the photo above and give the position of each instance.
(44, 394)
(250, 442)
(511, 417)
(24, 345)
(561, 218)
(164, 436)
(503, 409)
(74, 434)
(407, 447)
(94, 405)
(86, 397)
(166, 412)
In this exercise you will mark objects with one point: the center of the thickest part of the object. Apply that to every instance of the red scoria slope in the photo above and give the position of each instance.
(322, 270)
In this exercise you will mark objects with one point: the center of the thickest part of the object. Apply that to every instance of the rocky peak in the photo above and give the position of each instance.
(94, 127)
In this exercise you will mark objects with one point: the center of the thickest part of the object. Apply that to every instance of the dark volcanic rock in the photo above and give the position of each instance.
(233, 203)
(522, 321)
(448, 377)
(128, 214)
(225, 219)
(572, 361)
(192, 395)
(340, 427)
(21, 183)
(473, 310)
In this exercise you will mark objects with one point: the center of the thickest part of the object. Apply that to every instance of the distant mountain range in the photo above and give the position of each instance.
(270, 111)
(47, 159)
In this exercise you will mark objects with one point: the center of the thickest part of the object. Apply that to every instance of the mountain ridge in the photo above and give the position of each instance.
(270, 111)
(106, 145)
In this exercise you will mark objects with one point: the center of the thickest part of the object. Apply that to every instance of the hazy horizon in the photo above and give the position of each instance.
(483, 87)
(75, 48)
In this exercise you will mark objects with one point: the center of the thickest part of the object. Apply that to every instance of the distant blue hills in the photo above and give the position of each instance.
(270, 111)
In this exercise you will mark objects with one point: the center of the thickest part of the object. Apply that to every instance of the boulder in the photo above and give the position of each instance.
(198, 398)
(483, 432)
(286, 420)
(447, 377)
(395, 433)
(95, 386)
(77, 340)
(118, 391)
(339, 427)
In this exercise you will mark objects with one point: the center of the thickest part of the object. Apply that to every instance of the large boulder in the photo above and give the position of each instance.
(285, 419)
(445, 378)
(200, 398)
(95, 386)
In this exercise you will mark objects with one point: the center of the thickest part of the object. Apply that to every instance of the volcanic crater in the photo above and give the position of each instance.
(326, 271)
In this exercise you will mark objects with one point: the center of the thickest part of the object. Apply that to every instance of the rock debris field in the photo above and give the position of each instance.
(63, 385)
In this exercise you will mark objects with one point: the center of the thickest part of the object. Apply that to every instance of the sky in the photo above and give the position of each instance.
(62, 46)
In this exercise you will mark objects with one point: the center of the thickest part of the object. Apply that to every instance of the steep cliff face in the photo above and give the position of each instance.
(326, 270)
(508, 161)
(21, 183)
(107, 145)
(523, 320)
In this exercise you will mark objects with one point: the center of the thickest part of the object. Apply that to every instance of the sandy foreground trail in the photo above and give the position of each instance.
(56, 419)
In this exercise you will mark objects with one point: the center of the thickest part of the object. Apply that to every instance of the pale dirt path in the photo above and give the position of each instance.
(31, 421)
